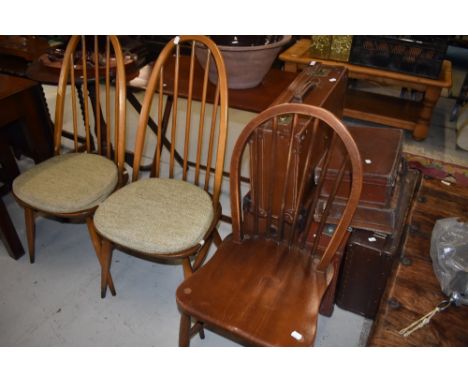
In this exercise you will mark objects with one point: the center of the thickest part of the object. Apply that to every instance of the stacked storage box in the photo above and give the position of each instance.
(379, 222)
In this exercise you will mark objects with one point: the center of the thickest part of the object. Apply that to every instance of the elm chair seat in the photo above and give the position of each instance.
(252, 277)
(156, 216)
(67, 183)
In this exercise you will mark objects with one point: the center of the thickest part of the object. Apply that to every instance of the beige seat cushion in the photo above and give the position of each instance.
(156, 216)
(67, 183)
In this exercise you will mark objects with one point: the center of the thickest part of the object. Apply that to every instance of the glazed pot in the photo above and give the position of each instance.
(247, 58)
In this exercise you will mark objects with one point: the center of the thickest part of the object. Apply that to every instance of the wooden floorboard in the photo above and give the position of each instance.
(413, 289)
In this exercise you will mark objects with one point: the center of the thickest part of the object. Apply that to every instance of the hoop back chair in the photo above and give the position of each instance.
(76, 179)
(264, 284)
(172, 215)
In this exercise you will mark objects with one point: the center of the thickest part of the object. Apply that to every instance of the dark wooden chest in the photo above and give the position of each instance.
(370, 256)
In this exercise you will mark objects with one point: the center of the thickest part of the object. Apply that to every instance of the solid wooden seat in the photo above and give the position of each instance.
(265, 283)
(173, 215)
(258, 276)
(71, 184)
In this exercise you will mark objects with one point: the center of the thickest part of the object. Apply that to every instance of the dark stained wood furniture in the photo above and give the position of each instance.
(27, 47)
(71, 185)
(370, 255)
(390, 111)
(265, 283)
(16, 52)
(24, 127)
(8, 234)
(22, 100)
(413, 289)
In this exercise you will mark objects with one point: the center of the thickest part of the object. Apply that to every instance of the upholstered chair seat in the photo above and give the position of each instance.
(156, 216)
(67, 183)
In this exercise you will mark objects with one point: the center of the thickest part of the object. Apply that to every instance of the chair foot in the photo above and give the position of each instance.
(29, 217)
(184, 330)
(106, 260)
(202, 332)
(97, 244)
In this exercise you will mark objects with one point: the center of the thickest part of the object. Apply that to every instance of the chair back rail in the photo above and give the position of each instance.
(206, 135)
(90, 66)
(286, 144)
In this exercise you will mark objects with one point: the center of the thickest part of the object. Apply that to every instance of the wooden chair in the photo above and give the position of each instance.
(173, 214)
(71, 185)
(264, 284)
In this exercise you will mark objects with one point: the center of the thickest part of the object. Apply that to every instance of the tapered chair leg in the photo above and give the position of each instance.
(96, 240)
(29, 217)
(106, 257)
(217, 237)
(187, 267)
(201, 256)
(184, 330)
(201, 330)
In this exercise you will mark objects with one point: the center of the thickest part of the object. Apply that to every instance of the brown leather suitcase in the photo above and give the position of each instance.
(381, 151)
(318, 85)
(322, 86)
(370, 216)
(369, 258)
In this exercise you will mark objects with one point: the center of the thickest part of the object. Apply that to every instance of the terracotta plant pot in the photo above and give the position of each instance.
(247, 58)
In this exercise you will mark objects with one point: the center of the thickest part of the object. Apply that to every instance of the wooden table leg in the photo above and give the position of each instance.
(290, 67)
(431, 96)
(8, 167)
(8, 234)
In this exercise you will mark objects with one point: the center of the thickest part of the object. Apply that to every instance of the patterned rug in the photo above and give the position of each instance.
(434, 168)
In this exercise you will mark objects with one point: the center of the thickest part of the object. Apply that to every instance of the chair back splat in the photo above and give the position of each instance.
(104, 101)
(195, 139)
(287, 145)
(265, 283)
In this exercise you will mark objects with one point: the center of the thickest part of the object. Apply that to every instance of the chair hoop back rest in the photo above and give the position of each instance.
(172, 76)
(78, 72)
(277, 137)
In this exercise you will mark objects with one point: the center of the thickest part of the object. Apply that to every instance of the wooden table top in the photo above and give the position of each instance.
(299, 54)
(10, 85)
(39, 72)
(254, 99)
(27, 47)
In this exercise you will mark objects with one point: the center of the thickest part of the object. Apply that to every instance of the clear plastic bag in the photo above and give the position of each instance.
(449, 254)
